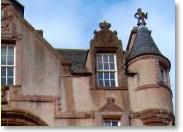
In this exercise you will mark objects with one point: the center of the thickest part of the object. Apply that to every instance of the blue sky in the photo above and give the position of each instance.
(70, 23)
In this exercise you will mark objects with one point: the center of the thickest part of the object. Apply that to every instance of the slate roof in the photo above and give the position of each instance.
(143, 44)
(77, 58)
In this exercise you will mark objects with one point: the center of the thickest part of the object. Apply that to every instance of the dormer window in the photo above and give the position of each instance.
(106, 58)
(106, 70)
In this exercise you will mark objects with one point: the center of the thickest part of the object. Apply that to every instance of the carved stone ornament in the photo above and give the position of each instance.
(105, 35)
(6, 27)
(6, 17)
(6, 10)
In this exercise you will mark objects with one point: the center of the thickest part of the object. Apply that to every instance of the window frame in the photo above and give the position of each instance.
(166, 79)
(103, 70)
(6, 66)
(111, 120)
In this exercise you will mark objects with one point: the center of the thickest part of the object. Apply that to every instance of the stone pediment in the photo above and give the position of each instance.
(105, 36)
(110, 106)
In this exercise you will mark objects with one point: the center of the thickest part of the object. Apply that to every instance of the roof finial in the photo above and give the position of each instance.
(141, 16)
(104, 25)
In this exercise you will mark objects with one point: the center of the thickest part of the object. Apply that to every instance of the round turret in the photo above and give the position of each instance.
(149, 86)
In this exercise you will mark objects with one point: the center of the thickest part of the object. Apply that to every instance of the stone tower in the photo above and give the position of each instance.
(150, 94)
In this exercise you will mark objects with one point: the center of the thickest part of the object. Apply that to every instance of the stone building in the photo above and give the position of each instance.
(102, 86)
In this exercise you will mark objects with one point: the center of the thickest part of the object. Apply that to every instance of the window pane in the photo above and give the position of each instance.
(3, 71)
(111, 66)
(111, 58)
(101, 83)
(10, 72)
(10, 60)
(106, 75)
(3, 50)
(107, 83)
(99, 58)
(3, 80)
(99, 66)
(114, 123)
(168, 79)
(10, 81)
(162, 75)
(107, 123)
(100, 75)
(113, 83)
(112, 75)
(106, 66)
(11, 51)
(3, 60)
(105, 58)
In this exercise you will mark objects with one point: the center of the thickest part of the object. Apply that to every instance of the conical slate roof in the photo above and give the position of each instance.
(143, 44)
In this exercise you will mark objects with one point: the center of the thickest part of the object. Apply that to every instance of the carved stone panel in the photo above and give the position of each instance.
(6, 27)
(105, 36)
(7, 15)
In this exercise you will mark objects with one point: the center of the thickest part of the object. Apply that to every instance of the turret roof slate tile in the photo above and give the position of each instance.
(143, 44)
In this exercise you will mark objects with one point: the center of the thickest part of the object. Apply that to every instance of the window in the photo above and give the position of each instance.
(7, 64)
(106, 70)
(164, 77)
(111, 123)
(162, 74)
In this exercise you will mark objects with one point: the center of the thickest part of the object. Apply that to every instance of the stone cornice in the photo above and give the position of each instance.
(74, 115)
(146, 56)
(34, 98)
(148, 86)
